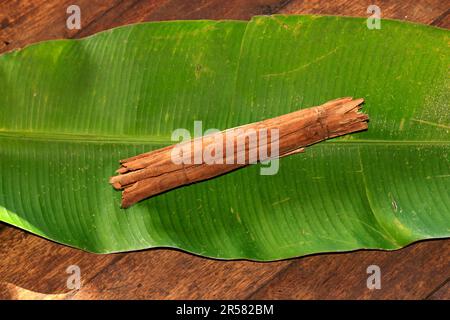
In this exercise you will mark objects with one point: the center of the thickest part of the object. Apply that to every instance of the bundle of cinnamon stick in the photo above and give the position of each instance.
(154, 172)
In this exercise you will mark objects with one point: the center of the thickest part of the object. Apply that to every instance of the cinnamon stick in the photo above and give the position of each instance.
(154, 172)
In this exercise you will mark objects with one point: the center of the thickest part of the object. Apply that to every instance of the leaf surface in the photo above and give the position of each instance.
(70, 109)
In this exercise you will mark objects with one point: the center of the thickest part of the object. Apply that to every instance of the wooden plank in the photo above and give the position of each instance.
(442, 292)
(27, 21)
(38, 265)
(409, 273)
(172, 274)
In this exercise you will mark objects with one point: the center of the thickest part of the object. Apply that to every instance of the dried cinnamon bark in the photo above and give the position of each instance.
(151, 173)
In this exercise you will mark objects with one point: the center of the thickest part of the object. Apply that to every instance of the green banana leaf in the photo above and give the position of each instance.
(70, 109)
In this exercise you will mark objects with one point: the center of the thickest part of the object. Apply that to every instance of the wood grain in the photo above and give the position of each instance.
(408, 273)
(170, 274)
(35, 268)
(441, 293)
(35, 264)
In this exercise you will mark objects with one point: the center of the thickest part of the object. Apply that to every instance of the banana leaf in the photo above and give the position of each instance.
(70, 109)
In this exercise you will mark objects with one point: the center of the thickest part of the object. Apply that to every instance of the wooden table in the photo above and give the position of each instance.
(31, 267)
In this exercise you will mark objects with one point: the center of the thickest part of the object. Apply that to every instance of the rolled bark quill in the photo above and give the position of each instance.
(154, 172)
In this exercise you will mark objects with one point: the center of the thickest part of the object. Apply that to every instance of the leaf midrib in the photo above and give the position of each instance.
(165, 140)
